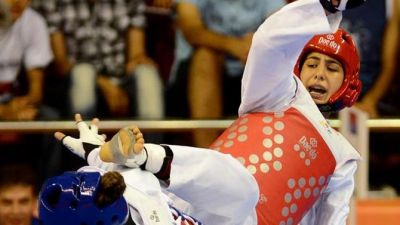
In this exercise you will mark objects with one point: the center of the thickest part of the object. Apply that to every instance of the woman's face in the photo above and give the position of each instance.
(322, 75)
(16, 7)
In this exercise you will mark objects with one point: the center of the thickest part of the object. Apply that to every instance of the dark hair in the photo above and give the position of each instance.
(112, 186)
(18, 174)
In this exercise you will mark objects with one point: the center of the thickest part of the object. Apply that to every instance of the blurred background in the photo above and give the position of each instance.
(155, 63)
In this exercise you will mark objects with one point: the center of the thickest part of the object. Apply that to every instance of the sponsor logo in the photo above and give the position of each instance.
(328, 42)
(154, 216)
(309, 146)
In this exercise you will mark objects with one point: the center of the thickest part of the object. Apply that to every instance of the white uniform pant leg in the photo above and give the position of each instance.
(219, 188)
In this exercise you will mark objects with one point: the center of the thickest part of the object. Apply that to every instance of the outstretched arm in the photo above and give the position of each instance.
(268, 82)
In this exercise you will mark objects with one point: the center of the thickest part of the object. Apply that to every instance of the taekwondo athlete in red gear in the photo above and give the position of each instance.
(304, 168)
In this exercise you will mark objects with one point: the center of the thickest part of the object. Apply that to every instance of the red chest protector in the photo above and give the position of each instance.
(288, 157)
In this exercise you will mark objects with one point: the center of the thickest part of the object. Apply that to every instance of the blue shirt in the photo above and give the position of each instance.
(366, 25)
(229, 17)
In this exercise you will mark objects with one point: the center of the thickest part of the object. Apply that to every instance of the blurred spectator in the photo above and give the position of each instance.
(160, 34)
(389, 106)
(213, 39)
(103, 43)
(164, 4)
(24, 52)
(375, 27)
(18, 195)
(23, 44)
(367, 25)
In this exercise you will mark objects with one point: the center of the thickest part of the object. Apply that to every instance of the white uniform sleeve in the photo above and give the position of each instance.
(38, 53)
(220, 190)
(333, 206)
(267, 83)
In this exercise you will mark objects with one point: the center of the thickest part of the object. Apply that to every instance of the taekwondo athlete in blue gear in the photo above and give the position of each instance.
(160, 176)
(72, 199)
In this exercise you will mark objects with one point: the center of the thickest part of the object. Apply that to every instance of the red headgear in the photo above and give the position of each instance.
(340, 46)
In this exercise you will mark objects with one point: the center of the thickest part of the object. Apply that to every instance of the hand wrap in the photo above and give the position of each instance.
(89, 139)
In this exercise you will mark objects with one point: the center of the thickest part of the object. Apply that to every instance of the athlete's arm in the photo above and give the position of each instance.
(267, 82)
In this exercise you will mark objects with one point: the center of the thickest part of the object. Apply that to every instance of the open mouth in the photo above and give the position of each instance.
(317, 91)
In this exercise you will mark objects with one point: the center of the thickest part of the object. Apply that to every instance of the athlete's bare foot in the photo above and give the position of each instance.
(127, 141)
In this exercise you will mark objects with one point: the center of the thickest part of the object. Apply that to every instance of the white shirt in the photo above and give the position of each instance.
(26, 41)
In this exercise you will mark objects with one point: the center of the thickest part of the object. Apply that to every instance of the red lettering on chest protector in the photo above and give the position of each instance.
(288, 157)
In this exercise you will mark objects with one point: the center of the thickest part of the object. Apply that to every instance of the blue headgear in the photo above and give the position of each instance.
(69, 199)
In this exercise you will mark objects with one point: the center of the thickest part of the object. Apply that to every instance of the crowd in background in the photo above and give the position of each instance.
(163, 59)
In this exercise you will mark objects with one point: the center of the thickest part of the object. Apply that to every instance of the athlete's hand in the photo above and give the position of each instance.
(89, 139)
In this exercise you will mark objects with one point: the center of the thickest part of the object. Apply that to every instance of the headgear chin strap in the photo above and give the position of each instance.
(343, 5)
(341, 47)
